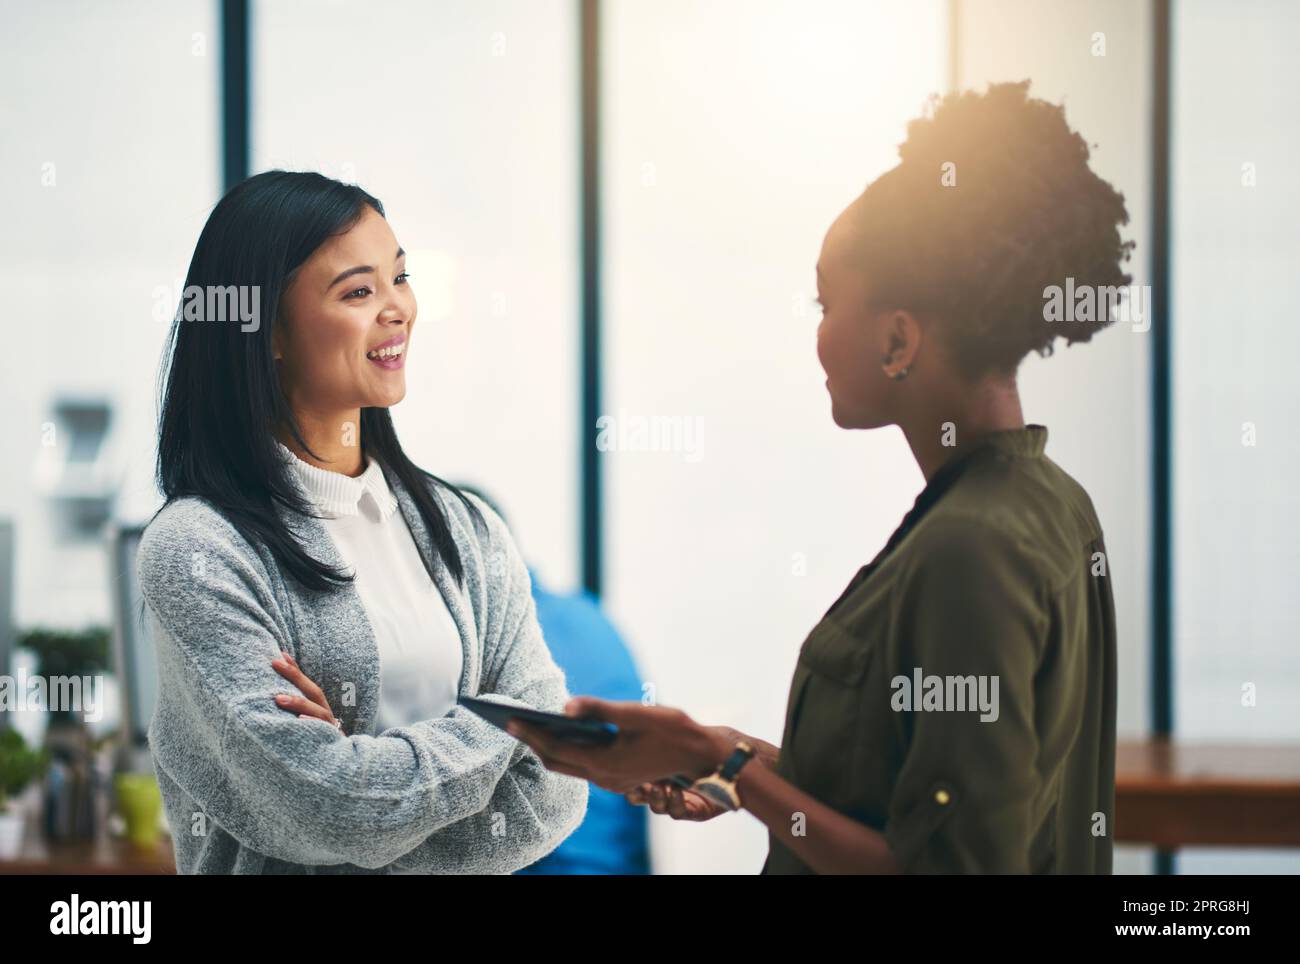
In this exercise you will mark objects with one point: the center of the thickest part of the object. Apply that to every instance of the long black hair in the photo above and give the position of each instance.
(222, 402)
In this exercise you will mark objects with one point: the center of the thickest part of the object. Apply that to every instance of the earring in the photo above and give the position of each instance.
(898, 375)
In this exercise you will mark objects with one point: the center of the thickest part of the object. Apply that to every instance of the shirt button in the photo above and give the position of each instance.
(941, 797)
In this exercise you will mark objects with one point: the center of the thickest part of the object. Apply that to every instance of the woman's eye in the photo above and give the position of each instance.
(402, 278)
(354, 292)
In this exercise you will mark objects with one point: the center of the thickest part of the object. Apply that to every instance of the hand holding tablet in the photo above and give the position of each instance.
(569, 729)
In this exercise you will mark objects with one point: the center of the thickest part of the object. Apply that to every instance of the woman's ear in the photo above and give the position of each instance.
(902, 340)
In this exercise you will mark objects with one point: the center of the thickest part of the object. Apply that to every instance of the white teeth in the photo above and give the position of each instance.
(391, 352)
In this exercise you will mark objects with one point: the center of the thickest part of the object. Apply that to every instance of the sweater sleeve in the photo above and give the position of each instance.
(293, 789)
(532, 809)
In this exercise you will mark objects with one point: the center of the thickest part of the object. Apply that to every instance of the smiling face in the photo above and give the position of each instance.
(345, 320)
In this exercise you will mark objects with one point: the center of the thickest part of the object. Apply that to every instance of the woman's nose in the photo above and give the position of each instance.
(393, 311)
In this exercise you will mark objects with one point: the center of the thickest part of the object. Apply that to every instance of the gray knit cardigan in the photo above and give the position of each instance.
(249, 788)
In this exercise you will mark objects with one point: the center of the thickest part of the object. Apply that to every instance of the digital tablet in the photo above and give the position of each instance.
(568, 728)
(571, 729)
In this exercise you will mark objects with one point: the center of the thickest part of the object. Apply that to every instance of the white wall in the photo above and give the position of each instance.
(462, 119)
(1236, 346)
(121, 100)
(735, 132)
(1236, 453)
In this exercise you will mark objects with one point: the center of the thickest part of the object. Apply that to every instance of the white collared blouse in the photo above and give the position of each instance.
(419, 646)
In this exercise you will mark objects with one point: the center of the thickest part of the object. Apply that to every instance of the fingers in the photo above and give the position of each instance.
(619, 712)
(288, 667)
(556, 765)
(654, 796)
(303, 707)
(661, 799)
(548, 749)
(700, 808)
(553, 747)
(677, 803)
(590, 707)
(537, 738)
(668, 799)
(583, 762)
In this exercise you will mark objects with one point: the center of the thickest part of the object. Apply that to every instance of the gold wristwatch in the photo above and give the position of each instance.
(720, 786)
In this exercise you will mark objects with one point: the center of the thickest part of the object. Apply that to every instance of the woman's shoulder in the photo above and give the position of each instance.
(950, 543)
(1028, 520)
(488, 551)
(187, 537)
(184, 521)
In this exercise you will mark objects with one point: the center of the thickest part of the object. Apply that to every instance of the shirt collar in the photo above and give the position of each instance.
(1027, 441)
(335, 494)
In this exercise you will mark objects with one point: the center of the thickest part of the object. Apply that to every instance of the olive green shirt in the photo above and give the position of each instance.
(997, 585)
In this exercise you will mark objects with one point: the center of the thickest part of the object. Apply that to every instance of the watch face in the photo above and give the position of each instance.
(715, 793)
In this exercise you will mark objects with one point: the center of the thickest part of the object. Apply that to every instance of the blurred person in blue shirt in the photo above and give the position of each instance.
(613, 837)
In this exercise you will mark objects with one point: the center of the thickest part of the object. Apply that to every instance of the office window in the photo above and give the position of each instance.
(109, 149)
(462, 119)
(1235, 343)
(736, 511)
(1235, 348)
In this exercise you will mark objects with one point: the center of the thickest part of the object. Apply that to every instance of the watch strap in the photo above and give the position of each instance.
(742, 754)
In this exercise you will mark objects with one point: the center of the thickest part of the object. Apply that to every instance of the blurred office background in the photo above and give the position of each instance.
(727, 134)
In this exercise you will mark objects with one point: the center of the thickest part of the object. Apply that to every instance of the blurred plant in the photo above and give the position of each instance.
(68, 652)
(18, 765)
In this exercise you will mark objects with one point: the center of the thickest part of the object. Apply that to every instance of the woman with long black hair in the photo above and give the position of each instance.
(317, 601)
(954, 709)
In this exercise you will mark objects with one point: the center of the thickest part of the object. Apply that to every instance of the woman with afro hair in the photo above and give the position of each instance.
(954, 710)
